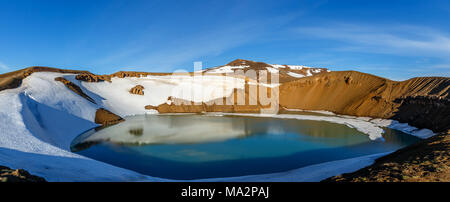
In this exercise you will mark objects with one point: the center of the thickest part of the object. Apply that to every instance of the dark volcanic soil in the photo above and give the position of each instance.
(18, 175)
(426, 161)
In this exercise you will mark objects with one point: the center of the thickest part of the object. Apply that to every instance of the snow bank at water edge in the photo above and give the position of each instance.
(404, 127)
(314, 111)
(313, 173)
(374, 132)
(386, 123)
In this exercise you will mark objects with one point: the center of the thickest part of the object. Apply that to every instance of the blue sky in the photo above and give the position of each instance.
(394, 39)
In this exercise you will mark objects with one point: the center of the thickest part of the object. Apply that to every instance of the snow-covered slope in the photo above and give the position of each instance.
(38, 122)
(117, 98)
(294, 71)
(39, 119)
(226, 69)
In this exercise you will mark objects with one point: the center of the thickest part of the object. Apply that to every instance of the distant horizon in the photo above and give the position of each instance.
(395, 40)
(108, 73)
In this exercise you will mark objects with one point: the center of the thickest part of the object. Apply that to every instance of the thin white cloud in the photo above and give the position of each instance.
(399, 40)
(176, 51)
(3, 67)
(207, 43)
(441, 66)
(142, 54)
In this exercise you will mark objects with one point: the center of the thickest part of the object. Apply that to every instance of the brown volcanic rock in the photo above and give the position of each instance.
(74, 88)
(424, 112)
(138, 90)
(252, 64)
(123, 74)
(283, 73)
(149, 107)
(226, 104)
(106, 118)
(18, 175)
(333, 92)
(203, 107)
(426, 161)
(360, 94)
(14, 79)
(89, 77)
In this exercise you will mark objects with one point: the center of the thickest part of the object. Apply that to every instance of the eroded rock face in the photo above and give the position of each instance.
(424, 112)
(138, 90)
(106, 118)
(88, 77)
(17, 175)
(149, 107)
(421, 102)
(226, 104)
(123, 74)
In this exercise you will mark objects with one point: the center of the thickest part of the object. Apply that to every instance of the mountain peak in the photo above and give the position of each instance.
(251, 64)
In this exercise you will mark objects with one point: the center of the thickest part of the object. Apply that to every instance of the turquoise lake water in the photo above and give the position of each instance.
(197, 146)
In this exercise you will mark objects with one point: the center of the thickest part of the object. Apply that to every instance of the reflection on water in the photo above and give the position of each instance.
(197, 146)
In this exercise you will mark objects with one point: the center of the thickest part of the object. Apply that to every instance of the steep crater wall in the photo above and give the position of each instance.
(421, 102)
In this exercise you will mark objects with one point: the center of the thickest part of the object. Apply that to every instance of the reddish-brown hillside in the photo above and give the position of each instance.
(360, 94)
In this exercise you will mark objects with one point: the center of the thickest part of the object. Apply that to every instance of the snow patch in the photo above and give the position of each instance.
(278, 66)
(227, 69)
(404, 127)
(295, 75)
(272, 70)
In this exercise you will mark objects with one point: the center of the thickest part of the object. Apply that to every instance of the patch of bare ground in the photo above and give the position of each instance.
(138, 90)
(17, 175)
(426, 161)
(106, 118)
(89, 77)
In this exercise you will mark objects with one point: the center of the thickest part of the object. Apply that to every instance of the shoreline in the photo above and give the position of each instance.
(425, 161)
(315, 172)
